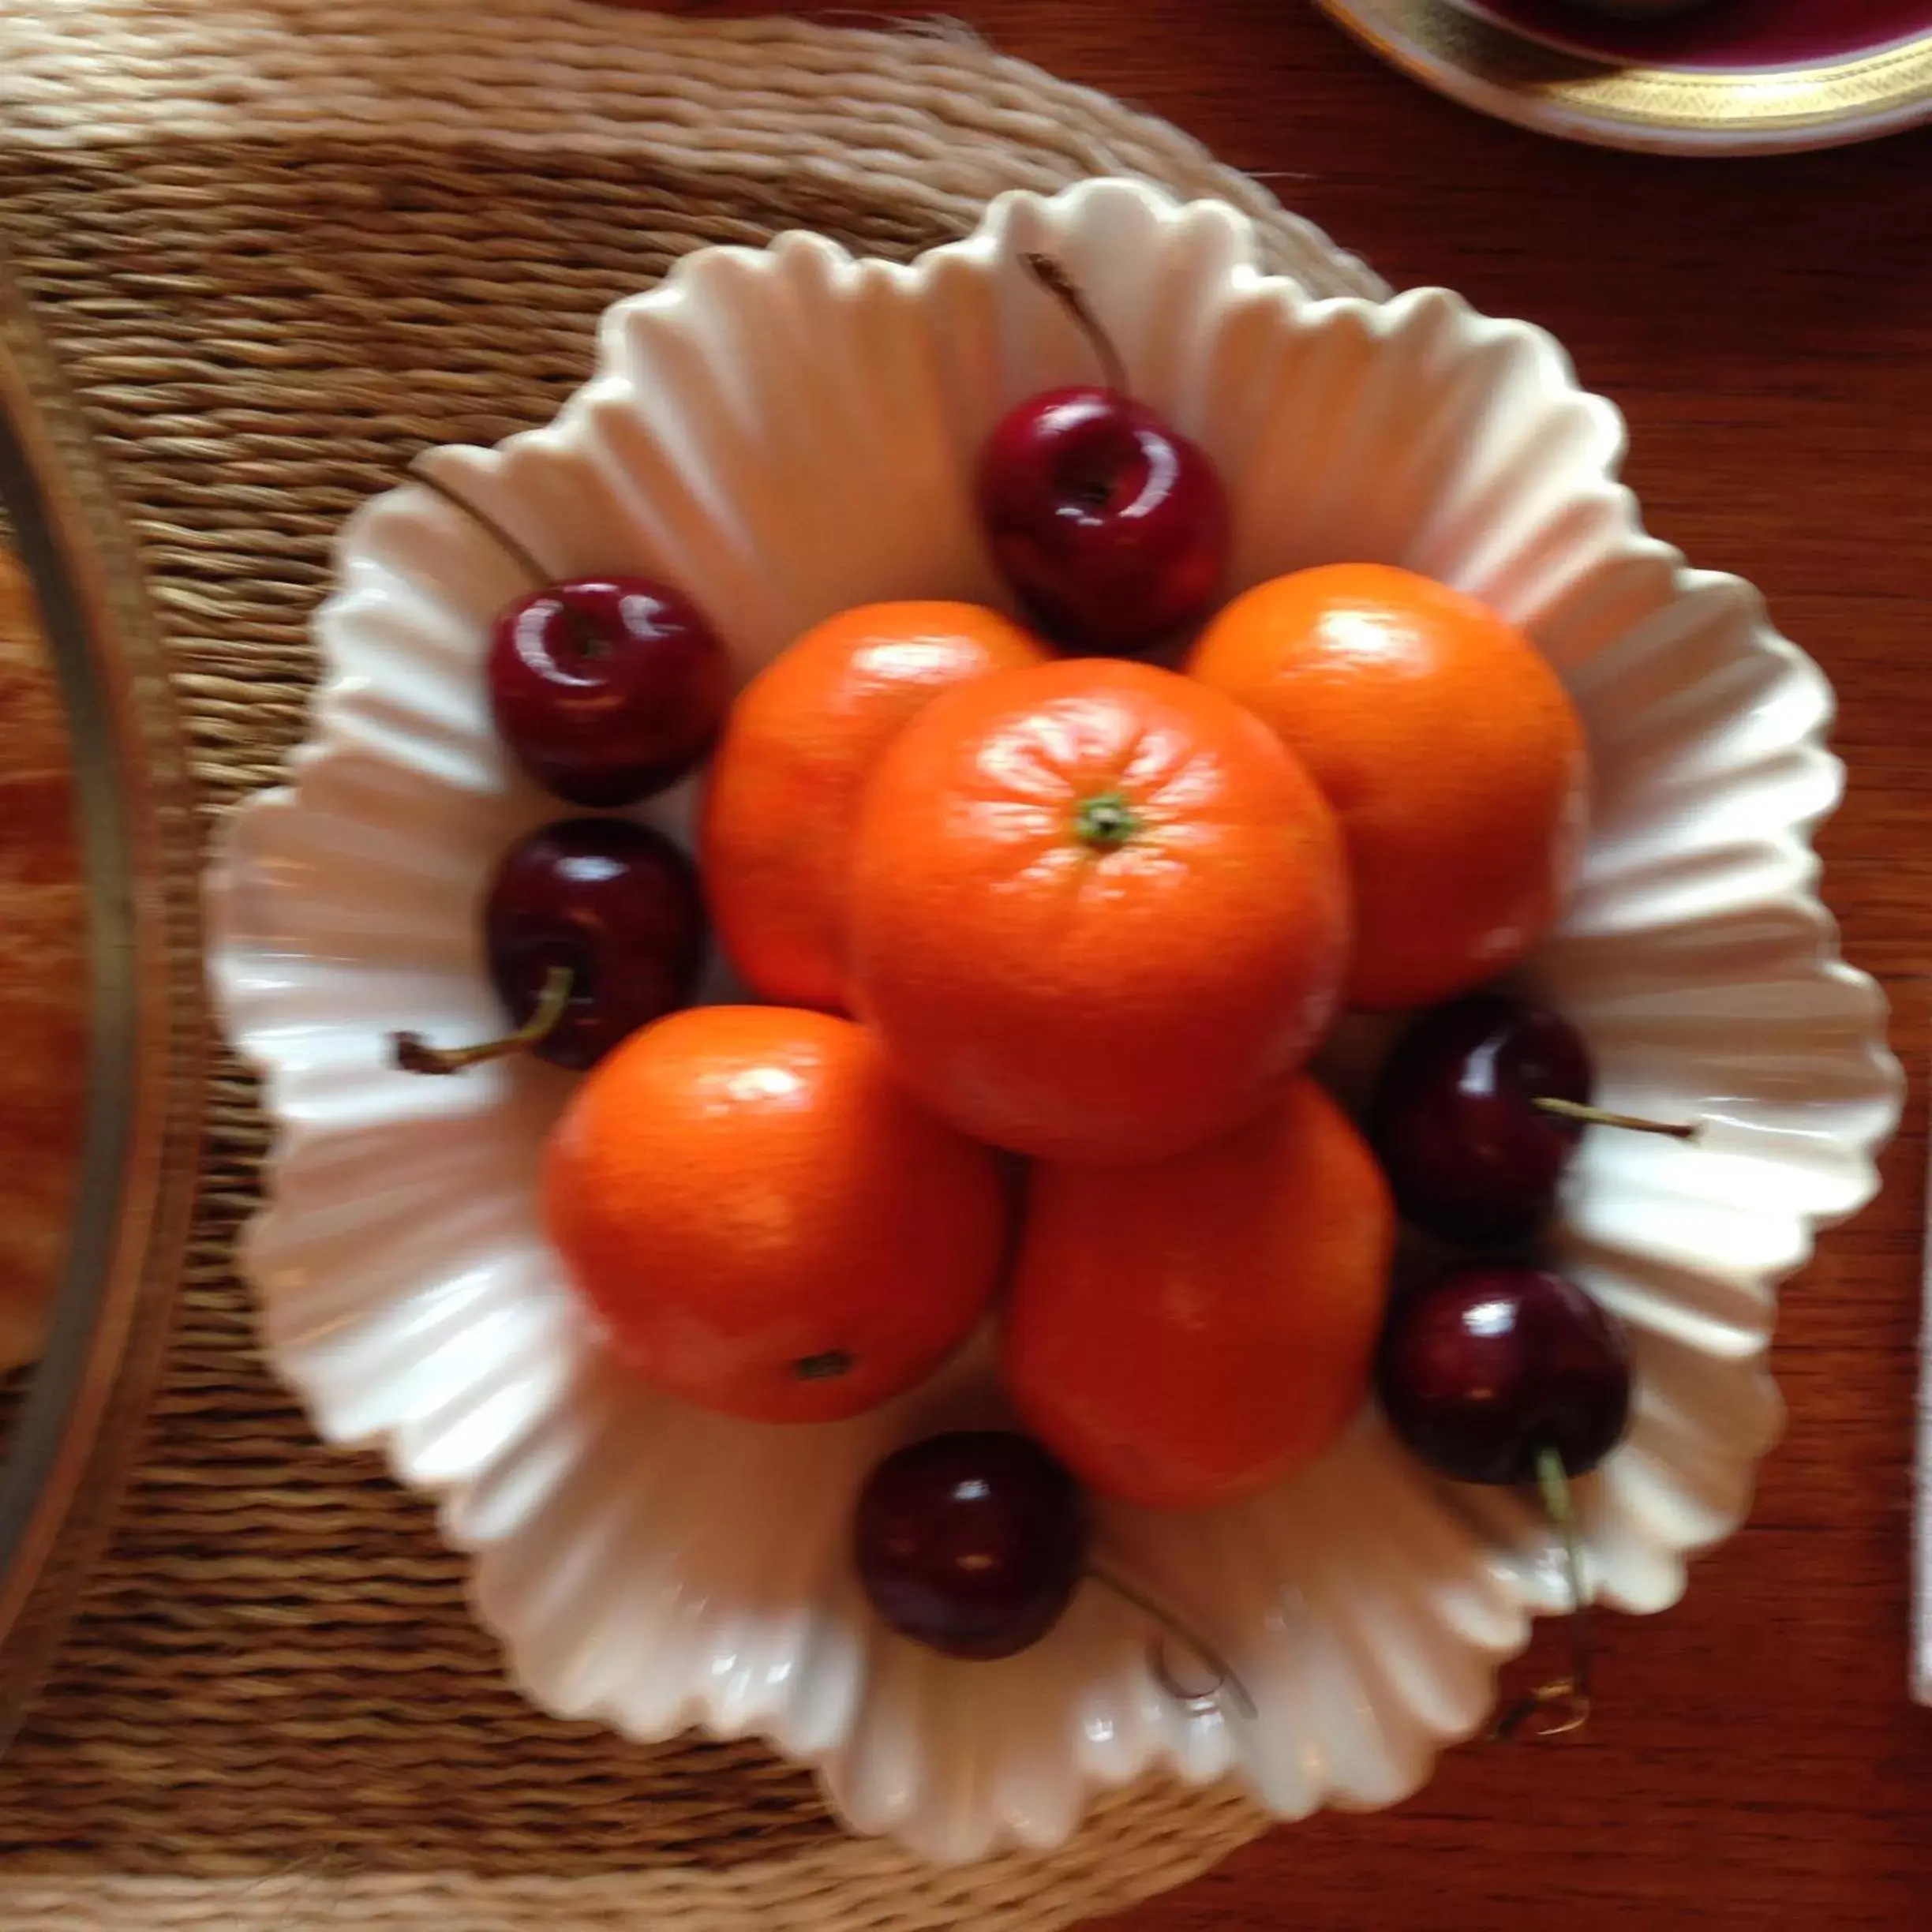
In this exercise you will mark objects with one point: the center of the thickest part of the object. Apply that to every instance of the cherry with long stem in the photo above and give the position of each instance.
(589, 640)
(605, 689)
(1479, 1113)
(1110, 526)
(973, 1542)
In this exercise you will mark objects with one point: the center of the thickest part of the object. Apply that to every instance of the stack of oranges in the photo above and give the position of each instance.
(1048, 944)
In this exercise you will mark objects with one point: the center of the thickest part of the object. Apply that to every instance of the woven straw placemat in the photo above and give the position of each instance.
(280, 246)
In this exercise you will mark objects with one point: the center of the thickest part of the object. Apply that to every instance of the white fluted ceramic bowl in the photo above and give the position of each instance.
(789, 431)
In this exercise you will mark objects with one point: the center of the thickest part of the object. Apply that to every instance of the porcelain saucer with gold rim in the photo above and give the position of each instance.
(1734, 77)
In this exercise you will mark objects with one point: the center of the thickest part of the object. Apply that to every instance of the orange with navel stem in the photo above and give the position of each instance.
(776, 836)
(1182, 1333)
(1096, 910)
(764, 1220)
(1448, 748)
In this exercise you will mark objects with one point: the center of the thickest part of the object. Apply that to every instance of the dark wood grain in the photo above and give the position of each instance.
(1767, 328)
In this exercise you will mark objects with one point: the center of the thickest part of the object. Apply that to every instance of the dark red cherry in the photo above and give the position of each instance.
(970, 1543)
(1111, 526)
(1478, 1114)
(1468, 1153)
(1485, 1368)
(606, 689)
(592, 927)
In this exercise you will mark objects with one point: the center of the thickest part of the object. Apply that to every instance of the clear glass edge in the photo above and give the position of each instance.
(64, 1468)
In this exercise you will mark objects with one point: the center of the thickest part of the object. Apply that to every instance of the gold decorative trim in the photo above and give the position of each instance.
(1490, 66)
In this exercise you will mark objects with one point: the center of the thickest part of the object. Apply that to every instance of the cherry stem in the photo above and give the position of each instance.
(1562, 1708)
(590, 640)
(1062, 286)
(540, 578)
(1598, 1116)
(415, 1054)
(1173, 1630)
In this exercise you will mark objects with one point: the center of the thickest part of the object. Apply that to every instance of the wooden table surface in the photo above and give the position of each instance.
(1766, 325)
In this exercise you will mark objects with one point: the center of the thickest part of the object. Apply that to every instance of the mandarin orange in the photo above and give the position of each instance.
(1182, 1333)
(1096, 910)
(1448, 748)
(765, 1221)
(776, 838)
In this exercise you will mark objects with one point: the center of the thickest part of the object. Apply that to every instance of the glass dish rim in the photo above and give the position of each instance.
(63, 1467)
